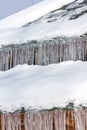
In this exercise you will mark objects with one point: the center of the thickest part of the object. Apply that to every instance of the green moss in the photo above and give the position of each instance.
(70, 106)
(22, 110)
(83, 35)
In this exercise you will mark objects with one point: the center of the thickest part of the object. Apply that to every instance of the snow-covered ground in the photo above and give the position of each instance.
(44, 86)
(46, 19)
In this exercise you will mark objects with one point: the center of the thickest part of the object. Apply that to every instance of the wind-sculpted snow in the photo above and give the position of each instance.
(44, 21)
(44, 87)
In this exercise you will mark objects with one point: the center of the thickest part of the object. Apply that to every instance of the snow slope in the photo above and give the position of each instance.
(47, 19)
(44, 86)
(32, 13)
(11, 7)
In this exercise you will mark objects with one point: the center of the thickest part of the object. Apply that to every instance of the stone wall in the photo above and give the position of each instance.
(43, 52)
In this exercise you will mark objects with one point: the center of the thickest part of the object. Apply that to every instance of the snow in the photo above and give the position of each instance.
(32, 13)
(44, 86)
(12, 28)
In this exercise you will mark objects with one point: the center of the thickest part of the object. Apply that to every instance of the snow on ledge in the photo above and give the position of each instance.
(44, 86)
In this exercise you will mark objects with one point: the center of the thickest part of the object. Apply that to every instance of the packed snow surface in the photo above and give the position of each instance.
(44, 86)
(46, 19)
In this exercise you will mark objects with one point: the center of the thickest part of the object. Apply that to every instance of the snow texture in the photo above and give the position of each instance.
(44, 86)
(47, 19)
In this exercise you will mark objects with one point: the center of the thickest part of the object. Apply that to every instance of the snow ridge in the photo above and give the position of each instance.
(49, 86)
(44, 20)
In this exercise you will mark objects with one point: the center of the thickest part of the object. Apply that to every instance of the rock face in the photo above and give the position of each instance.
(45, 120)
(44, 52)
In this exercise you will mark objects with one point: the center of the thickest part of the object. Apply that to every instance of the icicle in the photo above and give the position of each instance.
(44, 53)
(60, 120)
(45, 120)
(80, 119)
(38, 121)
(11, 121)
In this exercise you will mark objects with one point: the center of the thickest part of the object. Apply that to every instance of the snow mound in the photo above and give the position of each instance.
(47, 19)
(49, 86)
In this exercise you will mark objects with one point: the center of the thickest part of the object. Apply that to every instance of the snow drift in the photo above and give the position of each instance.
(49, 86)
(47, 19)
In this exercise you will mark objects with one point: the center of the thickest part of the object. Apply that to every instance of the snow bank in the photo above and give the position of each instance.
(32, 13)
(44, 86)
(12, 31)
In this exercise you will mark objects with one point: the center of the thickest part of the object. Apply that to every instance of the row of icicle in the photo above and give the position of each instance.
(45, 120)
(43, 53)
